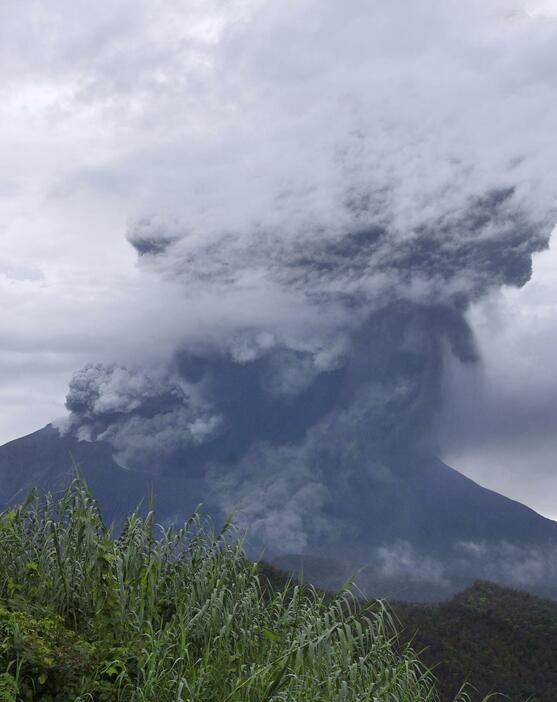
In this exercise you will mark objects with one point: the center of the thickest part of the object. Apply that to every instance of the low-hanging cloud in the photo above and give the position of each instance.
(397, 566)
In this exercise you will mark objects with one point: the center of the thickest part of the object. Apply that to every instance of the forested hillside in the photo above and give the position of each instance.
(497, 638)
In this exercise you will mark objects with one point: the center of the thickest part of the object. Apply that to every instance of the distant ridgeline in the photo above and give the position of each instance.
(407, 527)
(494, 637)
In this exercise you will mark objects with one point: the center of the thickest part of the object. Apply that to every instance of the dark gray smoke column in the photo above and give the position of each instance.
(311, 430)
(340, 183)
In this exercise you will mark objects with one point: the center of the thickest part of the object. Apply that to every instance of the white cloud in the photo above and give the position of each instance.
(542, 8)
(400, 561)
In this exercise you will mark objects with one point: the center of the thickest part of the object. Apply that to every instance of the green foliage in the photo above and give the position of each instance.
(495, 637)
(177, 615)
(51, 657)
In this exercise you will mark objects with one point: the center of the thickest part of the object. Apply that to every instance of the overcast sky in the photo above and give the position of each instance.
(111, 111)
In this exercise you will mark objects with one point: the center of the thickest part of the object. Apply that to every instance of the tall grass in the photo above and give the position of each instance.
(176, 615)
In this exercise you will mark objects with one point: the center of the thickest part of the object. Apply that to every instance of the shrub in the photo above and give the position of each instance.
(176, 615)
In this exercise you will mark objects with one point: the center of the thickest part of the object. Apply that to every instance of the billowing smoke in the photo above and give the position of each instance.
(283, 419)
(329, 242)
(142, 416)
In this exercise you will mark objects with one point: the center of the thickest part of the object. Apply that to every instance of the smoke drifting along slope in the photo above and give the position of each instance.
(329, 236)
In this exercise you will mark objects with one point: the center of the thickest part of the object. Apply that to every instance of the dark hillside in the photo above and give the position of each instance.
(496, 638)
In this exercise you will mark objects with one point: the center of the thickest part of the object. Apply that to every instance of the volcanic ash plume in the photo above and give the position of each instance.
(328, 261)
(282, 418)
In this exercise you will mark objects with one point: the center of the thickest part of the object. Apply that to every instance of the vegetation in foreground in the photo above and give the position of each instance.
(176, 615)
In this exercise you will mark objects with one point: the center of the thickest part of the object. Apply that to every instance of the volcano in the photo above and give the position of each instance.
(405, 524)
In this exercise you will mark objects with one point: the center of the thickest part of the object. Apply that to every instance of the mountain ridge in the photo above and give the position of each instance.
(416, 526)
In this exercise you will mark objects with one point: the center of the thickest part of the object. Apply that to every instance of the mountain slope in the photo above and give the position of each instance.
(420, 499)
(411, 526)
(497, 638)
(46, 460)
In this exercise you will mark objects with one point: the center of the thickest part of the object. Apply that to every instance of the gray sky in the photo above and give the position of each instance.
(200, 112)
(501, 419)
